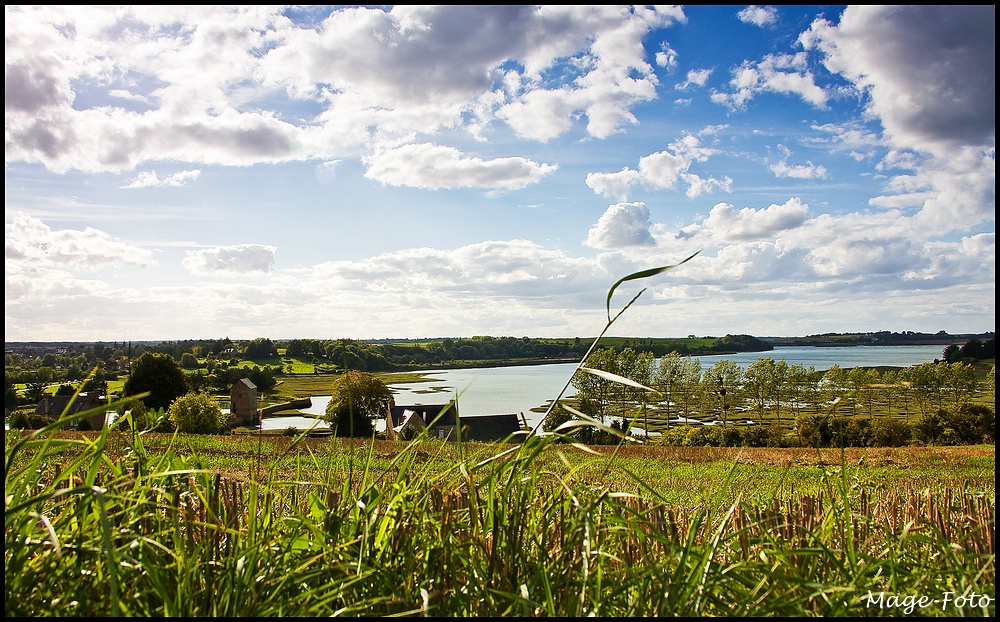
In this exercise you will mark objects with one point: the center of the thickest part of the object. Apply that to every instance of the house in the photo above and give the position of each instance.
(56, 405)
(243, 404)
(441, 420)
(491, 428)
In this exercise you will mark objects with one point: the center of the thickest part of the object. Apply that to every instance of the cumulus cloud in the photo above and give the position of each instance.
(434, 167)
(695, 77)
(149, 179)
(929, 76)
(777, 73)
(666, 57)
(622, 224)
(660, 171)
(29, 241)
(244, 85)
(799, 171)
(758, 15)
(726, 223)
(929, 69)
(238, 259)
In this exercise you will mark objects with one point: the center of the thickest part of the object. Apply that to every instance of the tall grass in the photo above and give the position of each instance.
(100, 525)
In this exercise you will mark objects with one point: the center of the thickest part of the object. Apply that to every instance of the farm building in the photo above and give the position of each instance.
(243, 404)
(56, 405)
(441, 421)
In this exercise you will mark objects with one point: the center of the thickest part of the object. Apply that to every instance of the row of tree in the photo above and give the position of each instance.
(766, 390)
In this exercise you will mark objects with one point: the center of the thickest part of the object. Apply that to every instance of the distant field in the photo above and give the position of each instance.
(322, 384)
(680, 475)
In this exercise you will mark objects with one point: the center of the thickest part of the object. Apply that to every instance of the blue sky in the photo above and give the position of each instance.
(410, 171)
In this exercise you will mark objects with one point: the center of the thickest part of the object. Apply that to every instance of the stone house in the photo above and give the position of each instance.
(243, 404)
(56, 405)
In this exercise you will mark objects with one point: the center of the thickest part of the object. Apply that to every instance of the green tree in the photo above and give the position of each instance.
(759, 383)
(261, 348)
(596, 393)
(189, 361)
(667, 381)
(865, 383)
(960, 381)
(160, 375)
(688, 385)
(358, 398)
(926, 381)
(196, 413)
(723, 382)
(801, 387)
(34, 392)
(833, 386)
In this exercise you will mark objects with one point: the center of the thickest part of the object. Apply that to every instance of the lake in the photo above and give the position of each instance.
(520, 389)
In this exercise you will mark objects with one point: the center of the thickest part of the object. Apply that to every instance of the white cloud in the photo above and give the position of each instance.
(929, 69)
(666, 57)
(238, 259)
(622, 224)
(799, 171)
(433, 167)
(929, 76)
(777, 73)
(29, 241)
(662, 170)
(695, 77)
(758, 15)
(726, 223)
(188, 84)
(149, 179)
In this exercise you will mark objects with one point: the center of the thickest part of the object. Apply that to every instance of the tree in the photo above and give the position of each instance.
(759, 383)
(196, 413)
(864, 383)
(160, 375)
(688, 385)
(724, 382)
(596, 393)
(261, 348)
(358, 399)
(833, 386)
(960, 380)
(667, 379)
(801, 387)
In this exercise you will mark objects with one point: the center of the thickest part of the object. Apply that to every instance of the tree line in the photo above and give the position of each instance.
(676, 390)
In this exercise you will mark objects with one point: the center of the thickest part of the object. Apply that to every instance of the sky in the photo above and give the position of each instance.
(416, 171)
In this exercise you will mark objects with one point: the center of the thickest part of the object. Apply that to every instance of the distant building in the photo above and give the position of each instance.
(243, 404)
(441, 421)
(57, 405)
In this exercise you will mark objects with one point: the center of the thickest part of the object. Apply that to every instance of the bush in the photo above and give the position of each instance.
(23, 420)
(890, 432)
(965, 424)
(973, 423)
(732, 436)
(813, 430)
(196, 413)
(703, 436)
(850, 432)
(929, 426)
(760, 436)
(675, 437)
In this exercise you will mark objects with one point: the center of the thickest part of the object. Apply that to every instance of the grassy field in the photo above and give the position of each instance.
(116, 523)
